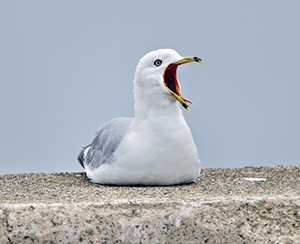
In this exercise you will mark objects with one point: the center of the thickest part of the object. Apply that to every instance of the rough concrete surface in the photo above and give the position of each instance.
(220, 207)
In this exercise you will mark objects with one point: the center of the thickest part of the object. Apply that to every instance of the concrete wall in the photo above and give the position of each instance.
(221, 207)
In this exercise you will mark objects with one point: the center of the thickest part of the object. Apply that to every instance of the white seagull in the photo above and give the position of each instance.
(155, 147)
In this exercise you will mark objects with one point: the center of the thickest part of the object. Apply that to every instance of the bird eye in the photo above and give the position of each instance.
(157, 62)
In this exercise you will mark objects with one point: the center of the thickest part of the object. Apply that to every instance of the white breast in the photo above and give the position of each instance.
(159, 150)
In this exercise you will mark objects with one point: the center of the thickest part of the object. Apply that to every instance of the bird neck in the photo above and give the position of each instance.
(152, 99)
(155, 106)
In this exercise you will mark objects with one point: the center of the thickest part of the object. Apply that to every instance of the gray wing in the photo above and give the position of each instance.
(107, 140)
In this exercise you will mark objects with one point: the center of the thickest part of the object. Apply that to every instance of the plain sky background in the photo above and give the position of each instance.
(66, 67)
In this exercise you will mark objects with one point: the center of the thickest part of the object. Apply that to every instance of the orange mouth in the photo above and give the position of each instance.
(170, 78)
(172, 84)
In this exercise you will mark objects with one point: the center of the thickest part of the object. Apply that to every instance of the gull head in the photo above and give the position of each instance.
(155, 81)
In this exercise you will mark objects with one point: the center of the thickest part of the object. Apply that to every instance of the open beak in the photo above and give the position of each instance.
(171, 82)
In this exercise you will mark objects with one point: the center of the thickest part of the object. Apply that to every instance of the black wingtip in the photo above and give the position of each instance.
(80, 157)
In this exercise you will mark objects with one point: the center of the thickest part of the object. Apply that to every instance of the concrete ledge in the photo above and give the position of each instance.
(220, 207)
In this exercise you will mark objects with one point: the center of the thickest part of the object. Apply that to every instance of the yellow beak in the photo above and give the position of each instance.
(186, 60)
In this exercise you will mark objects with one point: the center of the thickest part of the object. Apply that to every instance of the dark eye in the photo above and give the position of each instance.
(157, 62)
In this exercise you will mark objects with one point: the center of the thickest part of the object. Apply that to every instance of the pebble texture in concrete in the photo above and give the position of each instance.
(220, 207)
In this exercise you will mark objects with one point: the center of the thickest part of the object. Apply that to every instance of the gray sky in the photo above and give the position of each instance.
(66, 67)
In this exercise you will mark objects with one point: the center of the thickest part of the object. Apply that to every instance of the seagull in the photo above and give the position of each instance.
(155, 147)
